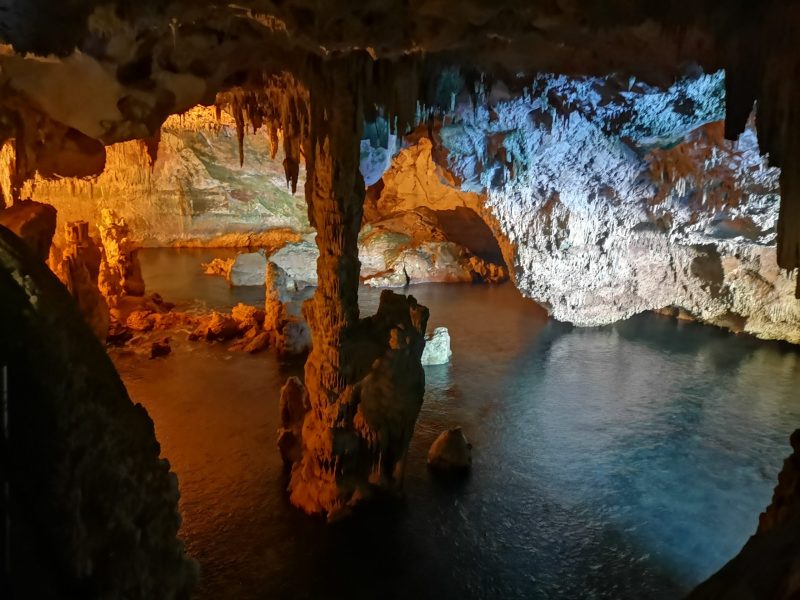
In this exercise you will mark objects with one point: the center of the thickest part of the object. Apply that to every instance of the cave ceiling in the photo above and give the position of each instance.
(77, 74)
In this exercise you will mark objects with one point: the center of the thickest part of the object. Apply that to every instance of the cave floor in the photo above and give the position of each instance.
(626, 461)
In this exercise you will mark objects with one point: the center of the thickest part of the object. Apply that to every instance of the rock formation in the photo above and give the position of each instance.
(767, 566)
(90, 497)
(34, 222)
(79, 268)
(356, 442)
(248, 269)
(293, 409)
(437, 347)
(451, 452)
(597, 210)
(610, 198)
(194, 193)
(786, 499)
(283, 318)
(122, 272)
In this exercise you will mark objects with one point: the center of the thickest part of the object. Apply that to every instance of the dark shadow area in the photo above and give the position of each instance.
(463, 226)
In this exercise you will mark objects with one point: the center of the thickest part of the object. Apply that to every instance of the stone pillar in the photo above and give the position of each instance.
(364, 382)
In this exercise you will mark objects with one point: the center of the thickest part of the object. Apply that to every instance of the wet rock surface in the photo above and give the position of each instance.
(451, 452)
(437, 347)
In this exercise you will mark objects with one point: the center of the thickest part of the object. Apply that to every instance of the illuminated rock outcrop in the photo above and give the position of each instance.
(192, 192)
(78, 265)
(613, 199)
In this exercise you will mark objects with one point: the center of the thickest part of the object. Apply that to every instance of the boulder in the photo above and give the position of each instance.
(160, 348)
(258, 343)
(437, 348)
(248, 269)
(219, 266)
(451, 452)
(216, 327)
(247, 317)
(140, 320)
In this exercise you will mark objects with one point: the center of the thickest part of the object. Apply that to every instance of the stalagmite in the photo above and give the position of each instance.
(79, 269)
(363, 379)
(121, 265)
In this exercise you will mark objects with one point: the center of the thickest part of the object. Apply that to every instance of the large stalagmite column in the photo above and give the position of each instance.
(335, 197)
(363, 378)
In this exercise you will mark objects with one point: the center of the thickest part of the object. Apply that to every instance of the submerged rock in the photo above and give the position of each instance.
(215, 327)
(160, 348)
(257, 343)
(437, 347)
(451, 452)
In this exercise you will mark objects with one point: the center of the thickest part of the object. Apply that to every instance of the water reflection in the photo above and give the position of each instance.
(619, 462)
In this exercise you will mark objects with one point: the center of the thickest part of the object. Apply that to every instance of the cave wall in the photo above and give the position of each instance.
(606, 197)
(617, 197)
(90, 505)
(194, 193)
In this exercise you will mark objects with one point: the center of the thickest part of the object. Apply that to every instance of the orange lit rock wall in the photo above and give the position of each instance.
(195, 193)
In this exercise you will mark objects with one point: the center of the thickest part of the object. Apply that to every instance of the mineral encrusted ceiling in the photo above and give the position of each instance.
(76, 72)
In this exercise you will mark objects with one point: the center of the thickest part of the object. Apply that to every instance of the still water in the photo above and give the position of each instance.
(628, 461)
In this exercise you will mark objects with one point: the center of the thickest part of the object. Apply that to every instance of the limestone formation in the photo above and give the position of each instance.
(90, 495)
(34, 222)
(607, 194)
(437, 347)
(194, 194)
(615, 202)
(283, 318)
(248, 269)
(451, 452)
(79, 270)
(219, 266)
(293, 408)
(299, 262)
(121, 264)
(357, 443)
(215, 327)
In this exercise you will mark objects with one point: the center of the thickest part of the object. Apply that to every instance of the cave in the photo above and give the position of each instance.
(400, 299)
